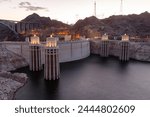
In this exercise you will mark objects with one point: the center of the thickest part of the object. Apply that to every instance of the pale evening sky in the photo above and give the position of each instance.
(69, 10)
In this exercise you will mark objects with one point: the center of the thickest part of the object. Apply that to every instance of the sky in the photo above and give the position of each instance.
(69, 11)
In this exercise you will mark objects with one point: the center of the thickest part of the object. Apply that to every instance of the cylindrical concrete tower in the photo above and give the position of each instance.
(104, 46)
(124, 48)
(35, 54)
(51, 67)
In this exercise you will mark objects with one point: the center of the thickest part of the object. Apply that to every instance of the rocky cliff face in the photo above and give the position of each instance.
(10, 83)
(9, 60)
(6, 34)
(138, 50)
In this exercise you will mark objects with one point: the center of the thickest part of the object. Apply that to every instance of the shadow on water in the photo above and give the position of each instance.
(104, 60)
(51, 86)
(123, 65)
(37, 88)
(51, 89)
(120, 66)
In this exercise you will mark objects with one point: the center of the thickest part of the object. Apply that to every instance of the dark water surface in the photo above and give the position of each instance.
(91, 78)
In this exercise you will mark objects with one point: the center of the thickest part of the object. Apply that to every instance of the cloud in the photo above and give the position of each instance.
(29, 7)
(24, 3)
(5, 0)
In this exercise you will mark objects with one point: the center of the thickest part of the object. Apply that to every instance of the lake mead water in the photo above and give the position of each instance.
(93, 78)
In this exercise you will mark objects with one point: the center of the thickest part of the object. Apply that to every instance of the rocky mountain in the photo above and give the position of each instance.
(6, 34)
(130, 24)
(44, 21)
(134, 25)
(87, 27)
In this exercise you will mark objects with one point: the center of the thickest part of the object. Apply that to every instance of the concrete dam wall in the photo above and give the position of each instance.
(68, 50)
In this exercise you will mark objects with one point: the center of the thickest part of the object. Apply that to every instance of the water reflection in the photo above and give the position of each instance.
(91, 78)
(52, 89)
(123, 66)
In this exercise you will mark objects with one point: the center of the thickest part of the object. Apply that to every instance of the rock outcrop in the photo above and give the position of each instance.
(10, 61)
(7, 34)
(10, 83)
(140, 51)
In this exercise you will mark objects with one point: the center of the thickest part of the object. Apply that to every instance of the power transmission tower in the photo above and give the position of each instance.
(95, 8)
(121, 7)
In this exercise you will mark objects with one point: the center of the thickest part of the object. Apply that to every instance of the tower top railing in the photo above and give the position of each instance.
(105, 37)
(51, 41)
(125, 37)
(35, 40)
